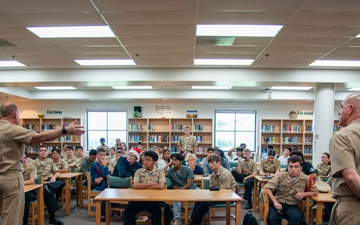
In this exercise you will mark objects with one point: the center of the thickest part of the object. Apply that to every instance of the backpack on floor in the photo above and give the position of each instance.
(249, 219)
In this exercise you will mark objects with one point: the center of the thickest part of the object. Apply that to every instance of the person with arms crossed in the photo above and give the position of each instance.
(345, 164)
(13, 139)
(146, 178)
(60, 163)
(291, 187)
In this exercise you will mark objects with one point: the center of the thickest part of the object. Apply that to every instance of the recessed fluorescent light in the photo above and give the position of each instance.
(55, 88)
(358, 36)
(10, 64)
(106, 62)
(72, 32)
(290, 88)
(344, 63)
(212, 87)
(223, 62)
(132, 87)
(353, 89)
(238, 30)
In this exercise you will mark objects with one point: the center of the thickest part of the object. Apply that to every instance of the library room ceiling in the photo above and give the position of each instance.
(160, 37)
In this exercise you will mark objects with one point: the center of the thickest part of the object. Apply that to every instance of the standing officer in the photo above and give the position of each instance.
(12, 141)
(345, 163)
(187, 142)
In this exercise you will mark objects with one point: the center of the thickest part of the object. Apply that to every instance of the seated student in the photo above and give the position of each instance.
(307, 167)
(291, 187)
(112, 154)
(165, 159)
(221, 178)
(146, 178)
(44, 167)
(245, 173)
(283, 159)
(239, 150)
(79, 150)
(71, 158)
(191, 161)
(224, 161)
(265, 155)
(140, 146)
(87, 162)
(60, 163)
(324, 168)
(113, 162)
(270, 166)
(126, 167)
(204, 162)
(182, 177)
(99, 172)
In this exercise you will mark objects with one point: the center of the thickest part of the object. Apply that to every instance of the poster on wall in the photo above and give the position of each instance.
(191, 114)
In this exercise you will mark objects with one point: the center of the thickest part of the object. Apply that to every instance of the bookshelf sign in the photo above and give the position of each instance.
(305, 114)
(163, 109)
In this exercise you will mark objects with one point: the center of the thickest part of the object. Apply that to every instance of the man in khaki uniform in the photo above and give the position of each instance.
(291, 187)
(79, 150)
(104, 146)
(221, 178)
(187, 142)
(60, 163)
(245, 173)
(345, 163)
(13, 139)
(112, 163)
(146, 178)
(270, 166)
(71, 159)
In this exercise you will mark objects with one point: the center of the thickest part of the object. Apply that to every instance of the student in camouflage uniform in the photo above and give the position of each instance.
(60, 163)
(148, 177)
(291, 187)
(245, 173)
(324, 168)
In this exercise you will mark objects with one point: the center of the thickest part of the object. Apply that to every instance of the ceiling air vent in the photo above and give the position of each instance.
(216, 41)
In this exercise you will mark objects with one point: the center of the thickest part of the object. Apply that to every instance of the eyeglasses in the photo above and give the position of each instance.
(131, 155)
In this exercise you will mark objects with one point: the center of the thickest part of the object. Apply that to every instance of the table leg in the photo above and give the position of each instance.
(186, 212)
(80, 188)
(262, 184)
(67, 196)
(40, 205)
(98, 212)
(107, 212)
(237, 212)
(255, 200)
(228, 212)
(307, 209)
(319, 213)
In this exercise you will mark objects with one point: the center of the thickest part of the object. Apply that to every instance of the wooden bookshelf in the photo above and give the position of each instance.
(167, 131)
(41, 125)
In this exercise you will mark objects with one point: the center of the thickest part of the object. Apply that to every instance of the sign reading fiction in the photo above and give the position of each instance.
(162, 109)
(53, 112)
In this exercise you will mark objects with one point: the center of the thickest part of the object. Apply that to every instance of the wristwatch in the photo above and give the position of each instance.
(64, 131)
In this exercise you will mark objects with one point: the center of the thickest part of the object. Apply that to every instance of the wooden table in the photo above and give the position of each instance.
(199, 178)
(40, 200)
(256, 202)
(320, 199)
(223, 195)
(79, 197)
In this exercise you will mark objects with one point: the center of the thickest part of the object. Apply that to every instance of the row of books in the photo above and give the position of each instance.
(309, 128)
(308, 139)
(291, 128)
(268, 139)
(268, 128)
(293, 140)
(136, 138)
(158, 138)
(308, 150)
(135, 127)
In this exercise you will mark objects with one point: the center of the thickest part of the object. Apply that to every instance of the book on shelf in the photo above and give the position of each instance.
(293, 140)
(177, 127)
(268, 139)
(291, 128)
(199, 139)
(198, 127)
(308, 128)
(135, 127)
(268, 128)
(158, 138)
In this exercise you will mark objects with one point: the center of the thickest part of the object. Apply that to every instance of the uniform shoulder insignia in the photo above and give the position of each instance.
(312, 169)
(224, 175)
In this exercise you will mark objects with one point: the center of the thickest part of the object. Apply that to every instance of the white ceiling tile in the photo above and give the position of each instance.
(228, 49)
(347, 19)
(98, 56)
(28, 42)
(7, 21)
(152, 41)
(319, 31)
(242, 5)
(16, 33)
(92, 50)
(159, 49)
(151, 18)
(252, 41)
(154, 30)
(333, 5)
(83, 42)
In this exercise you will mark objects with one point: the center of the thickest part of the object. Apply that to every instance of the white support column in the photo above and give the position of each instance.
(323, 120)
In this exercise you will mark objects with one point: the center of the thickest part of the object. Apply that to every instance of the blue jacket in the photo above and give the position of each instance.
(97, 170)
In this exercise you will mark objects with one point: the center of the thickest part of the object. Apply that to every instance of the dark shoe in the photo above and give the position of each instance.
(103, 218)
(55, 220)
(248, 205)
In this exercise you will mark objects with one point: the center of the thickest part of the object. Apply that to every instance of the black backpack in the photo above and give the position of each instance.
(249, 219)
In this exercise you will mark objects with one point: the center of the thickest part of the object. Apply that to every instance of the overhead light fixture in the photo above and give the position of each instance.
(223, 62)
(10, 64)
(336, 63)
(106, 62)
(72, 32)
(238, 30)
(353, 89)
(358, 36)
(132, 87)
(294, 88)
(55, 87)
(211, 87)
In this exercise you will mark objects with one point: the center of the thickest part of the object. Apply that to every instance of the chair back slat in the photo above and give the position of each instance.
(119, 182)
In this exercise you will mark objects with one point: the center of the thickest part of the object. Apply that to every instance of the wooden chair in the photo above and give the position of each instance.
(216, 208)
(123, 183)
(91, 194)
